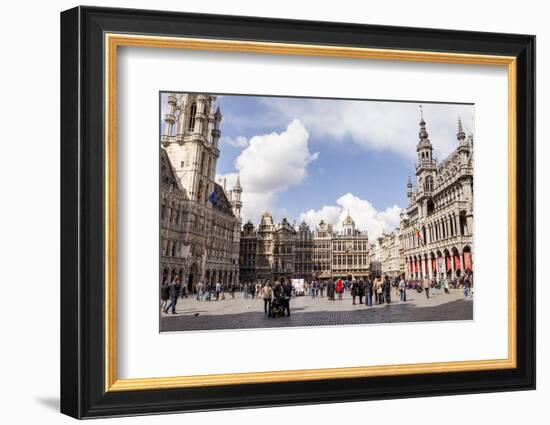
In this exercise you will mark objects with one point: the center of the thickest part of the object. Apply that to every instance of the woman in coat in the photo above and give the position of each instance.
(353, 290)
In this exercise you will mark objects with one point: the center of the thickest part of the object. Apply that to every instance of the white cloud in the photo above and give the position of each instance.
(329, 214)
(377, 125)
(365, 215)
(269, 165)
(237, 142)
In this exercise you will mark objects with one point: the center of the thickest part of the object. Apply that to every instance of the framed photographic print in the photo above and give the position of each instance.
(261, 212)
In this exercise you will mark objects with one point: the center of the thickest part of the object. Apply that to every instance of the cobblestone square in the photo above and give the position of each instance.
(241, 313)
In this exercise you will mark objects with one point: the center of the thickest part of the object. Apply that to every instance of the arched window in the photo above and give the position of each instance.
(431, 206)
(192, 113)
(429, 183)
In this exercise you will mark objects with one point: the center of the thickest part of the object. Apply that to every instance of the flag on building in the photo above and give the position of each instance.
(419, 236)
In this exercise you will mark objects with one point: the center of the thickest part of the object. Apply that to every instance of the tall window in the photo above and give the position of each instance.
(429, 184)
(192, 113)
(202, 163)
(199, 194)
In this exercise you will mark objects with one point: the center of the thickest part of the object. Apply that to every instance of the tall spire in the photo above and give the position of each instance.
(423, 134)
(460, 135)
(238, 182)
(236, 198)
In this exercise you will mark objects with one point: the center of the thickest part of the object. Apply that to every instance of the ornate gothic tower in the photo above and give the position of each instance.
(193, 151)
(410, 191)
(465, 145)
(425, 170)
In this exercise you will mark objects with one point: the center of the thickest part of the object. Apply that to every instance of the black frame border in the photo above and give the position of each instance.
(82, 212)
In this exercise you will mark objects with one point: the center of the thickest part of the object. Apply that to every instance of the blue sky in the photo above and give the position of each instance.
(311, 159)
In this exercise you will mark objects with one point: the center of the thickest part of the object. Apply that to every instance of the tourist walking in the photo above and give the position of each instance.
(287, 294)
(267, 295)
(387, 290)
(426, 286)
(360, 290)
(200, 291)
(378, 289)
(330, 290)
(467, 287)
(173, 293)
(339, 288)
(258, 289)
(353, 291)
(218, 290)
(164, 295)
(368, 292)
(402, 286)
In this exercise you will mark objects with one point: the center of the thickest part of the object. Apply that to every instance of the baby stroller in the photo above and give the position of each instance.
(277, 308)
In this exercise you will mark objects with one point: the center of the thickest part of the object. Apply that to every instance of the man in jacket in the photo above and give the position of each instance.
(360, 290)
(287, 294)
(368, 292)
(174, 292)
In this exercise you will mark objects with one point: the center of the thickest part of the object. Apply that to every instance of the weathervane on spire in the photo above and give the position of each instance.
(421, 113)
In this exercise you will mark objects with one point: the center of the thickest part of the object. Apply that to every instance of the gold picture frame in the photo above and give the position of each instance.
(91, 40)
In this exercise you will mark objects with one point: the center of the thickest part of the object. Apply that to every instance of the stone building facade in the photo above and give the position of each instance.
(303, 262)
(322, 251)
(207, 216)
(268, 253)
(437, 225)
(284, 251)
(350, 249)
(391, 254)
(174, 250)
(248, 253)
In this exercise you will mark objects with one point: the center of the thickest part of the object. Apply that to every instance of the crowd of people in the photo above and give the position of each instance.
(276, 295)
